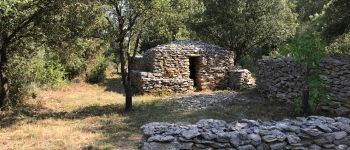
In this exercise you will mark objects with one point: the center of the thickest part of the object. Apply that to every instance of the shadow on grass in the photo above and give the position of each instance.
(113, 85)
(119, 128)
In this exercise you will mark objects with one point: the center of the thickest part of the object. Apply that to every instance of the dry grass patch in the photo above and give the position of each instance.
(82, 115)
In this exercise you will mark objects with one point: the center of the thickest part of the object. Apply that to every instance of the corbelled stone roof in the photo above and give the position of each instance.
(188, 45)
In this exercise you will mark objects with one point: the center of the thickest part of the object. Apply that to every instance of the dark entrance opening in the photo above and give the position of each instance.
(194, 66)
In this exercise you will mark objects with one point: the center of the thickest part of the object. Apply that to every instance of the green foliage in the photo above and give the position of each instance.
(307, 9)
(27, 71)
(245, 25)
(308, 51)
(336, 19)
(340, 47)
(171, 23)
(98, 71)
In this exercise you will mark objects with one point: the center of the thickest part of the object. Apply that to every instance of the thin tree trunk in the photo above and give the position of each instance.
(305, 100)
(5, 91)
(306, 96)
(127, 88)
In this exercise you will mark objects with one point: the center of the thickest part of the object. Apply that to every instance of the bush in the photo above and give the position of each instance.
(98, 71)
(340, 47)
(309, 50)
(28, 71)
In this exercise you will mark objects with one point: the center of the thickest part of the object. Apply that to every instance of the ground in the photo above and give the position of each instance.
(82, 115)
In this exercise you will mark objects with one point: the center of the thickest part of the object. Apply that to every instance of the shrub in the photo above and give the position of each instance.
(98, 71)
(308, 50)
(28, 71)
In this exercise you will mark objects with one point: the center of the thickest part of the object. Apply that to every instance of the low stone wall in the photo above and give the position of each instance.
(149, 83)
(280, 79)
(283, 79)
(337, 77)
(241, 79)
(314, 133)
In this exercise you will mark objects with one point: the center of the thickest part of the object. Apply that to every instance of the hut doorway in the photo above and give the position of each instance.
(194, 68)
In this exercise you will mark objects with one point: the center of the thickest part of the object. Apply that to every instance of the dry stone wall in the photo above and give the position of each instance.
(280, 79)
(241, 79)
(169, 66)
(283, 79)
(337, 77)
(314, 133)
(148, 83)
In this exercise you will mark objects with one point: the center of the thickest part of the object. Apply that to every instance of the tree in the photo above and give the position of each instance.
(308, 50)
(245, 25)
(132, 22)
(336, 19)
(19, 23)
(27, 25)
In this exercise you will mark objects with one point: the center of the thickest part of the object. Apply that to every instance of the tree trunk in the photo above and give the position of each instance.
(5, 91)
(305, 100)
(125, 79)
(306, 96)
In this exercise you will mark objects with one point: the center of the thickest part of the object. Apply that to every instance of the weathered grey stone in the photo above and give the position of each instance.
(269, 138)
(324, 128)
(325, 139)
(255, 138)
(158, 146)
(160, 138)
(328, 146)
(278, 146)
(341, 147)
(340, 135)
(216, 134)
(211, 123)
(246, 147)
(234, 140)
(315, 147)
(220, 145)
(190, 133)
(186, 146)
(293, 139)
(344, 141)
(262, 146)
(312, 132)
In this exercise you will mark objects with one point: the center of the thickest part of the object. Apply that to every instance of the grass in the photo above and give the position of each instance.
(83, 115)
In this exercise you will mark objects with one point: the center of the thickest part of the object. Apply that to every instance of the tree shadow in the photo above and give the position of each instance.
(113, 85)
(122, 130)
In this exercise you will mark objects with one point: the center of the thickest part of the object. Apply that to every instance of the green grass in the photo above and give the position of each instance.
(84, 115)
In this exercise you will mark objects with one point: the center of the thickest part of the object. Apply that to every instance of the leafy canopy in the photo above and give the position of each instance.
(244, 25)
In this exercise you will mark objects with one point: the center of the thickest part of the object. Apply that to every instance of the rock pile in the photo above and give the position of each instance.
(337, 77)
(280, 78)
(315, 132)
(241, 79)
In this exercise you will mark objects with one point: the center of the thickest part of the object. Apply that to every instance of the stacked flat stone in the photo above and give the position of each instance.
(337, 77)
(169, 64)
(314, 133)
(281, 79)
(241, 79)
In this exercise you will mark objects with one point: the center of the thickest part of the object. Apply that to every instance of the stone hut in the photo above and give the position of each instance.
(182, 66)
